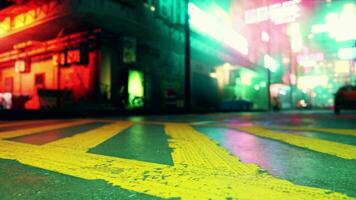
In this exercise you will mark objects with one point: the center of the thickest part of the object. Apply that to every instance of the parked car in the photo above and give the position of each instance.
(345, 98)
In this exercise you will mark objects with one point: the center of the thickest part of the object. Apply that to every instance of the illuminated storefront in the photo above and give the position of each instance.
(51, 58)
(48, 73)
(83, 55)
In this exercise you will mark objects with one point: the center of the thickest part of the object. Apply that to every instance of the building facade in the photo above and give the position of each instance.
(118, 54)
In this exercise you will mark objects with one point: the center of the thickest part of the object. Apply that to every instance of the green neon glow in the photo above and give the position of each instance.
(257, 87)
(246, 77)
(263, 84)
(347, 28)
(135, 88)
(339, 24)
(216, 29)
(152, 8)
(319, 28)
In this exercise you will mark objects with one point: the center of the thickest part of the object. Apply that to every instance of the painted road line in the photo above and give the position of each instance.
(160, 180)
(333, 148)
(28, 131)
(45, 137)
(14, 123)
(351, 132)
(89, 139)
(191, 148)
(202, 122)
(20, 123)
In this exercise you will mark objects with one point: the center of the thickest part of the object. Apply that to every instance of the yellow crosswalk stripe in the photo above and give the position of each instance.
(89, 139)
(351, 132)
(15, 123)
(333, 148)
(29, 131)
(162, 180)
(186, 179)
(194, 149)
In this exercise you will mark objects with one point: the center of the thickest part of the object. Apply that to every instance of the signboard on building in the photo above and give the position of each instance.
(310, 59)
(278, 13)
(29, 17)
(129, 50)
(72, 56)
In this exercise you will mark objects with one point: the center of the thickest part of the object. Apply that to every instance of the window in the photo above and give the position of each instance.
(40, 80)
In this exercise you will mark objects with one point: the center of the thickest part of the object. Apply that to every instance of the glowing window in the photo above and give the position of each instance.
(135, 88)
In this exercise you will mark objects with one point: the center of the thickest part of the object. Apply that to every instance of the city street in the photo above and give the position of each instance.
(178, 99)
(270, 155)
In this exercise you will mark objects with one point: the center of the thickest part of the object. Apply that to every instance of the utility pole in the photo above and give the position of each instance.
(268, 69)
(268, 53)
(60, 44)
(269, 88)
(291, 73)
(58, 87)
(187, 96)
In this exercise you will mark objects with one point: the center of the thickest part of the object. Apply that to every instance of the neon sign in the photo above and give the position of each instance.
(29, 17)
(310, 82)
(214, 28)
(67, 58)
(5, 25)
(309, 60)
(279, 13)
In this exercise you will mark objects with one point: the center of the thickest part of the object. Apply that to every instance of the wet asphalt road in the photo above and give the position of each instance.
(277, 155)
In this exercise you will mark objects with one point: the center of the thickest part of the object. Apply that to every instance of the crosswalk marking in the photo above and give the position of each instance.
(333, 148)
(18, 123)
(202, 169)
(194, 149)
(32, 130)
(351, 132)
(86, 140)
